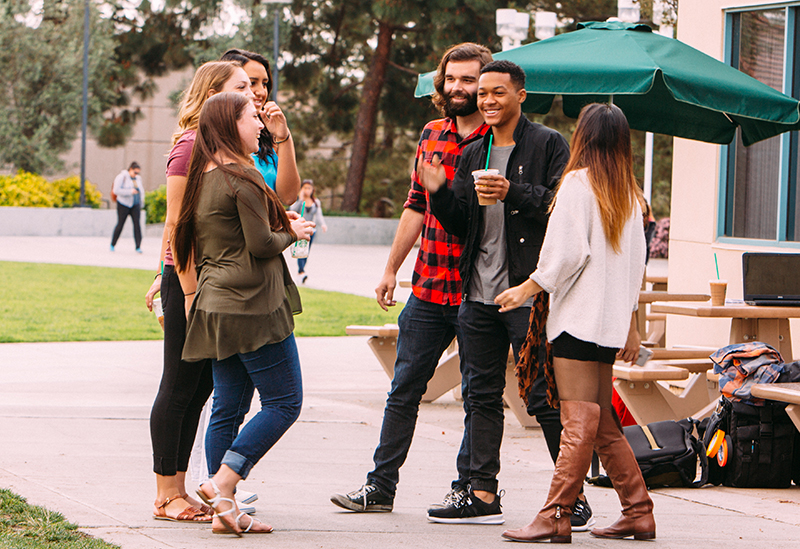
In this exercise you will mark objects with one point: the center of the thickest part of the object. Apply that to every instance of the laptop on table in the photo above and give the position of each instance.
(771, 279)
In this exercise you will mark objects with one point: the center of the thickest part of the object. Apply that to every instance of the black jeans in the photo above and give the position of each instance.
(486, 335)
(426, 330)
(184, 390)
(122, 214)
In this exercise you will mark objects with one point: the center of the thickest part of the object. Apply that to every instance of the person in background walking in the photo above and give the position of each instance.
(313, 212)
(129, 191)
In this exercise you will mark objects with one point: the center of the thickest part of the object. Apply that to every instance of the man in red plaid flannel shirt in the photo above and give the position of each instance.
(429, 321)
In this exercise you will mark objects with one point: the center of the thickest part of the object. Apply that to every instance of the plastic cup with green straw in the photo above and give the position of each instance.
(300, 248)
(718, 286)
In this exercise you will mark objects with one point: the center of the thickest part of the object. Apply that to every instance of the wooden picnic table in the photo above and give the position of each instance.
(748, 322)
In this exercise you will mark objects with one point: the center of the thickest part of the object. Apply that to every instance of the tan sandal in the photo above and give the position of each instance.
(205, 509)
(214, 503)
(189, 514)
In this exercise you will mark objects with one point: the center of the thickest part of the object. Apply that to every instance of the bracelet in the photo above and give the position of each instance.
(284, 140)
(157, 275)
(190, 293)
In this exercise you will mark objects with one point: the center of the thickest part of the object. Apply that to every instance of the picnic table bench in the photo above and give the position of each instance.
(383, 343)
(781, 392)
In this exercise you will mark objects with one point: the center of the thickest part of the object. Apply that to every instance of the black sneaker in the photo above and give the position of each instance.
(368, 498)
(455, 495)
(581, 518)
(469, 510)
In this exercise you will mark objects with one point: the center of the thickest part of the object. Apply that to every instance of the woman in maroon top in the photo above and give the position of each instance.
(185, 387)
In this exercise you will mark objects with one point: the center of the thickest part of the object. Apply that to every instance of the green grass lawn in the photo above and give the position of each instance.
(24, 526)
(42, 302)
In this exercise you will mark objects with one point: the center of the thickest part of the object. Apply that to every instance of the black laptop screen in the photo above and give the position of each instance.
(771, 276)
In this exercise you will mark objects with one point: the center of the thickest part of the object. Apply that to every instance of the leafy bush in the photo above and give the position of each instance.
(31, 190)
(155, 202)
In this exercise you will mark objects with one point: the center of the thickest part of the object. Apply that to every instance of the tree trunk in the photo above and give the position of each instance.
(367, 114)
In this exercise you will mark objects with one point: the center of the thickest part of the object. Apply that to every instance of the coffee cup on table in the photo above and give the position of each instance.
(718, 290)
(477, 175)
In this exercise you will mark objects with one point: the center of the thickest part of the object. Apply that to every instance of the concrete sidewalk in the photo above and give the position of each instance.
(75, 439)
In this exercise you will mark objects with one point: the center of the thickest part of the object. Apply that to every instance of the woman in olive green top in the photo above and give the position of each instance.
(235, 229)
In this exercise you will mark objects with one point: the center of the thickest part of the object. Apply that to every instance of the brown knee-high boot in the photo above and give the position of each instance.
(580, 420)
(620, 464)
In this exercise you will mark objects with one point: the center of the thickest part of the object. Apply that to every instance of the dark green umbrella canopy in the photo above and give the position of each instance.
(662, 85)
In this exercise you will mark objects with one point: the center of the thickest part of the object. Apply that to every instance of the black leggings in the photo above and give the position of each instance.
(122, 214)
(185, 387)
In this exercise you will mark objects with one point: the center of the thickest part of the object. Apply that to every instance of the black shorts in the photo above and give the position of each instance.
(566, 346)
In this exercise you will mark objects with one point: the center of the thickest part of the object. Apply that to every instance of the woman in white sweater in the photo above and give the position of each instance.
(592, 263)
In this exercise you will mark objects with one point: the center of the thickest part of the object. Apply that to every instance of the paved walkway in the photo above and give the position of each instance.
(74, 432)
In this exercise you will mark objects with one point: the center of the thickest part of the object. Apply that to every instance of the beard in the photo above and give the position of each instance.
(451, 110)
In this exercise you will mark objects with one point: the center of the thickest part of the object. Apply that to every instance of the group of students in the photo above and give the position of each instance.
(229, 298)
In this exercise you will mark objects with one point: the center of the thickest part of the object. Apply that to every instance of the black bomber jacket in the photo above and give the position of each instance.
(534, 169)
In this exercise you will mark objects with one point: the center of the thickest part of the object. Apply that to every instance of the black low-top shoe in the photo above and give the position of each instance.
(367, 499)
(469, 510)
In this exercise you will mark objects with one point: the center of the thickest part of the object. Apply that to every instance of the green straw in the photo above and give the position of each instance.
(489, 152)
(303, 211)
(716, 264)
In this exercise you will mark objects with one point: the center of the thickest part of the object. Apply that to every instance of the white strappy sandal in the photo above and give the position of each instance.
(215, 501)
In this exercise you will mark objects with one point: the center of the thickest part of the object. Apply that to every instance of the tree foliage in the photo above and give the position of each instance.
(41, 91)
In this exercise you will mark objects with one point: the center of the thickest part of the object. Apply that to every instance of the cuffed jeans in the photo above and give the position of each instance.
(426, 330)
(486, 335)
(274, 370)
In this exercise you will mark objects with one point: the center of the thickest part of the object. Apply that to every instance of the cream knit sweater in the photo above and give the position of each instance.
(593, 289)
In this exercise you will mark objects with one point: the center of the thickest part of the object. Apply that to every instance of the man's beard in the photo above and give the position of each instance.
(452, 110)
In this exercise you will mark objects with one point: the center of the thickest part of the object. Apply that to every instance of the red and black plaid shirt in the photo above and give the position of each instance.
(436, 278)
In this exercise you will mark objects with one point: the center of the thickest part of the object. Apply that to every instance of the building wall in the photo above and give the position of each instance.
(695, 192)
(149, 144)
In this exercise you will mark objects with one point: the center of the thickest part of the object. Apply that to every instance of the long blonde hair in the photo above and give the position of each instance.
(210, 76)
(602, 144)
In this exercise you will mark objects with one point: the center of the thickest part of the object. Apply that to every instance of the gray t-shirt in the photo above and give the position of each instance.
(490, 270)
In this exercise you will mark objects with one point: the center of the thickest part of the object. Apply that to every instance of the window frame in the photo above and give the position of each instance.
(789, 141)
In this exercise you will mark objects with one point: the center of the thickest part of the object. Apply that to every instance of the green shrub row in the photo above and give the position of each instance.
(31, 190)
(155, 202)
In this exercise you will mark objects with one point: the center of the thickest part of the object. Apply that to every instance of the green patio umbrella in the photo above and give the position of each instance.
(662, 85)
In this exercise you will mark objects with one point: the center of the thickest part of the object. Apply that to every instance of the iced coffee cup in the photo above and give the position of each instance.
(159, 311)
(477, 174)
(718, 290)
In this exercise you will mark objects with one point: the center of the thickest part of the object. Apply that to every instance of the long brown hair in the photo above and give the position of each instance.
(218, 137)
(210, 76)
(602, 144)
(466, 51)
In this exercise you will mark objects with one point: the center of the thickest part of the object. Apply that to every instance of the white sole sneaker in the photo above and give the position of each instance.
(483, 519)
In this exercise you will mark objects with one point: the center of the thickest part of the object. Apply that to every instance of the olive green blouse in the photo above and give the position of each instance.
(245, 293)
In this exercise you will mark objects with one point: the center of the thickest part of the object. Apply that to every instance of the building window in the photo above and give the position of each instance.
(752, 201)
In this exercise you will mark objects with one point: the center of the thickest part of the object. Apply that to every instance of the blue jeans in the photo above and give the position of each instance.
(426, 330)
(274, 370)
(487, 333)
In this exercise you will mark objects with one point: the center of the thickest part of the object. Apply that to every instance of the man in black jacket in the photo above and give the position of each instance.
(501, 249)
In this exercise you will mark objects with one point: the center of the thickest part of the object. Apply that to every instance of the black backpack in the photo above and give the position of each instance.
(667, 453)
(760, 445)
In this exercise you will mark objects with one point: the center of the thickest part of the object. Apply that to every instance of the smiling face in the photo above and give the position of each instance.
(239, 82)
(250, 127)
(499, 101)
(259, 80)
(461, 87)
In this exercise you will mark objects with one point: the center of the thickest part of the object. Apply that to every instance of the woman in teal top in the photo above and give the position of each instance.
(235, 229)
(275, 142)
